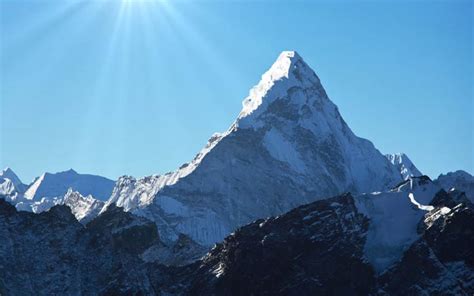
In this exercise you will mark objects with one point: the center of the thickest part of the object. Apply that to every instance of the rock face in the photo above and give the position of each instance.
(404, 165)
(313, 250)
(460, 180)
(319, 248)
(51, 253)
(289, 146)
(441, 262)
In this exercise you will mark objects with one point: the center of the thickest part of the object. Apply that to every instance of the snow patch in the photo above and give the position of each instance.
(283, 150)
(394, 218)
(172, 206)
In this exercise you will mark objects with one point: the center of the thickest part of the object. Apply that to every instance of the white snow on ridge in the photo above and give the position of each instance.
(11, 186)
(289, 70)
(420, 206)
(239, 177)
(7, 173)
(404, 165)
(394, 216)
(83, 208)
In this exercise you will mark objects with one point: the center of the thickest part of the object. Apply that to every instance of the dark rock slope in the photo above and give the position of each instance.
(316, 249)
(53, 254)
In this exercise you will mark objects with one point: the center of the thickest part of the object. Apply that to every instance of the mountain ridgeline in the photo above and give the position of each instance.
(289, 146)
(292, 200)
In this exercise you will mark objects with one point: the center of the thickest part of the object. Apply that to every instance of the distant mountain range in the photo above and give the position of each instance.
(290, 159)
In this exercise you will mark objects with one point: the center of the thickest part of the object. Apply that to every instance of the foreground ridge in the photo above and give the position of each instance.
(319, 248)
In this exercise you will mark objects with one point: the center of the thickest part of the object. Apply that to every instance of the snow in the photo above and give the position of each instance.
(8, 173)
(172, 206)
(83, 208)
(394, 218)
(11, 186)
(6, 186)
(220, 270)
(289, 146)
(420, 206)
(31, 192)
(53, 185)
(283, 150)
(404, 165)
(274, 84)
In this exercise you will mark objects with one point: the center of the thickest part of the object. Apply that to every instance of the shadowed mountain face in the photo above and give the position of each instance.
(54, 185)
(289, 146)
(459, 180)
(53, 254)
(315, 249)
(404, 165)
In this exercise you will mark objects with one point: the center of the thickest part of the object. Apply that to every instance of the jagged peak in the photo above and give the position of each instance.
(457, 174)
(8, 173)
(7, 170)
(288, 71)
(404, 165)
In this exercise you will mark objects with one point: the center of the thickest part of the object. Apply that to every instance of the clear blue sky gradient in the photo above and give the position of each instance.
(137, 87)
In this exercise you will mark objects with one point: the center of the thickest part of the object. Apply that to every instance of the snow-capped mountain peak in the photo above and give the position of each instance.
(404, 165)
(8, 173)
(85, 208)
(288, 74)
(10, 185)
(289, 70)
(57, 184)
(289, 146)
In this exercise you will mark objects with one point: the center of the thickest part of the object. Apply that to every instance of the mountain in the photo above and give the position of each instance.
(320, 249)
(394, 218)
(334, 246)
(55, 185)
(289, 146)
(459, 180)
(49, 190)
(51, 253)
(404, 165)
(84, 208)
(11, 185)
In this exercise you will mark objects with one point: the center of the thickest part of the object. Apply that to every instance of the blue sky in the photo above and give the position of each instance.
(137, 87)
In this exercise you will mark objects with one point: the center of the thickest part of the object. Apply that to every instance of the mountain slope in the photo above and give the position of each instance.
(319, 249)
(404, 165)
(54, 185)
(51, 253)
(10, 185)
(460, 180)
(315, 249)
(84, 208)
(289, 146)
